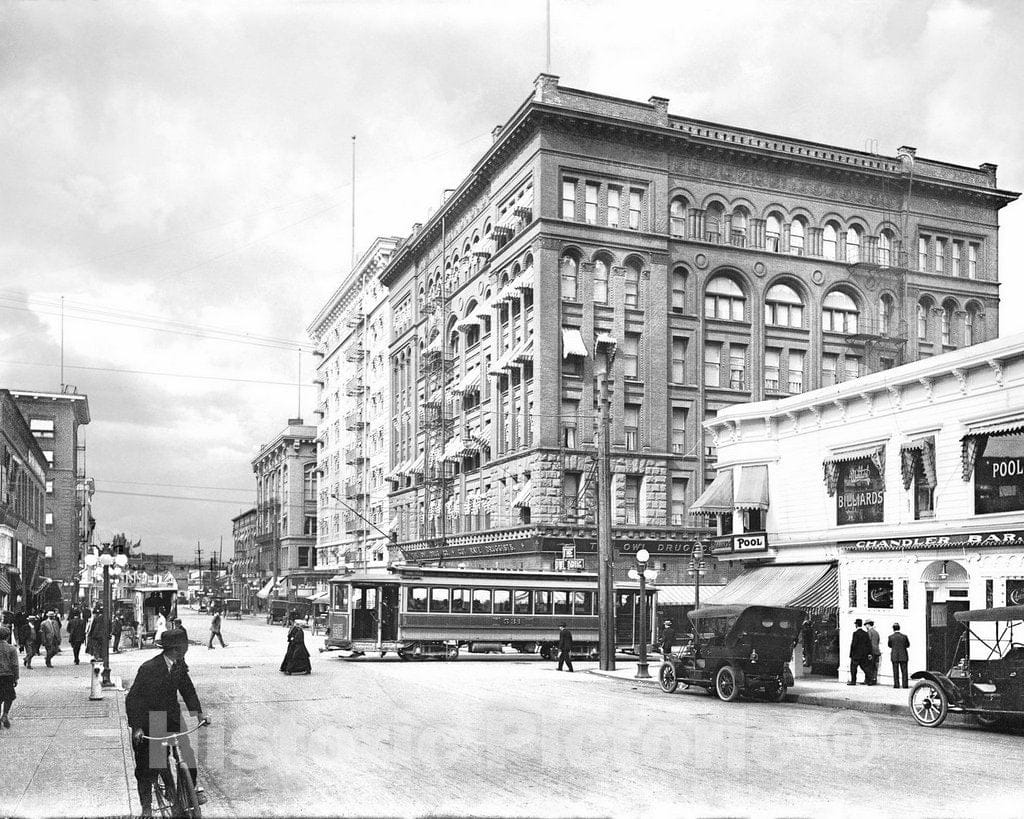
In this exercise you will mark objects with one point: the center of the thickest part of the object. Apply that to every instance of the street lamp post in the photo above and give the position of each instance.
(643, 574)
(107, 558)
(696, 570)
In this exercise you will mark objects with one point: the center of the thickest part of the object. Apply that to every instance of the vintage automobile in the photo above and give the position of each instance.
(991, 687)
(736, 650)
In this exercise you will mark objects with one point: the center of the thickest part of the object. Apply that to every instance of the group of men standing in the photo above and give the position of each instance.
(42, 634)
(866, 652)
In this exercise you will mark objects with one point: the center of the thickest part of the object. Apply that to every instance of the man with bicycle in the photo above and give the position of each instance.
(152, 708)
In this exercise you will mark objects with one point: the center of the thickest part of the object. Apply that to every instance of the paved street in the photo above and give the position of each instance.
(496, 735)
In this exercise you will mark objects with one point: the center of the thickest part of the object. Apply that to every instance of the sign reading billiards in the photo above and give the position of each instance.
(860, 495)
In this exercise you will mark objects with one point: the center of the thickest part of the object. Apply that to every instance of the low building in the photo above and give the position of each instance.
(245, 569)
(897, 497)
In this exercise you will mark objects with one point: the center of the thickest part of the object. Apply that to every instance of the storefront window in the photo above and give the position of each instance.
(861, 495)
(879, 594)
(999, 475)
(853, 594)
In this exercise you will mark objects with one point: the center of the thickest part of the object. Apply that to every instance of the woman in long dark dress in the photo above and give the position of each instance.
(296, 658)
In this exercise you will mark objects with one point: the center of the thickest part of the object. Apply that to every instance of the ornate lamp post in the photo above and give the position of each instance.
(643, 574)
(107, 558)
(696, 570)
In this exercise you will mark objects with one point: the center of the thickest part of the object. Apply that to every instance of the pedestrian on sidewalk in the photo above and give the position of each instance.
(31, 640)
(564, 647)
(8, 675)
(98, 632)
(49, 632)
(898, 645)
(876, 649)
(215, 630)
(296, 658)
(860, 653)
(668, 638)
(161, 626)
(115, 633)
(20, 628)
(76, 633)
(807, 637)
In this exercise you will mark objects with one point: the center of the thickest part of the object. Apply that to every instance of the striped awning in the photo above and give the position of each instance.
(416, 468)
(717, 498)
(525, 281)
(481, 442)
(468, 323)
(1001, 428)
(922, 450)
(605, 338)
(483, 309)
(470, 383)
(685, 595)
(823, 596)
(5, 584)
(524, 496)
(523, 353)
(973, 443)
(400, 469)
(572, 343)
(396, 521)
(752, 492)
(452, 450)
(264, 593)
(773, 585)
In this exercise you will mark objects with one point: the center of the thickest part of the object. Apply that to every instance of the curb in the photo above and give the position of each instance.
(816, 700)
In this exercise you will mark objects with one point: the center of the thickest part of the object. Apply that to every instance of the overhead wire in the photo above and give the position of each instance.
(195, 376)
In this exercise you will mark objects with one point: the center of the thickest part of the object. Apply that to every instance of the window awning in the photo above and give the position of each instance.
(481, 442)
(684, 595)
(417, 465)
(525, 281)
(264, 593)
(1002, 428)
(305, 592)
(320, 597)
(717, 498)
(605, 338)
(752, 492)
(572, 343)
(452, 450)
(923, 450)
(774, 585)
(400, 469)
(874, 453)
(973, 443)
(467, 323)
(823, 596)
(523, 352)
(436, 345)
(524, 496)
(395, 523)
(5, 584)
(470, 383)
(508, 292)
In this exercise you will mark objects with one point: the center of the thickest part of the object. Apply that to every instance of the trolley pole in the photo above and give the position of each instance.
(606, 609)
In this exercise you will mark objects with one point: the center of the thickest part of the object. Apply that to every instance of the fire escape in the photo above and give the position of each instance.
(436, 419)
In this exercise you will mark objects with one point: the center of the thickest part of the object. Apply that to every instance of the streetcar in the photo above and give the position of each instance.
(420, 611)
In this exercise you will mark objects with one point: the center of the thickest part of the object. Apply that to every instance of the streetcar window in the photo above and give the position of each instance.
(522, 603)
(460, 601)
(438, 599)
(481, 601)
(502, 601)
(417, 598)
(339, 597)
(562, 604)
(583, 602)
(542, 602)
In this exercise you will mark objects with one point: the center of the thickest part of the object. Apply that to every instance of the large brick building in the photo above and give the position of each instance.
(721, 265)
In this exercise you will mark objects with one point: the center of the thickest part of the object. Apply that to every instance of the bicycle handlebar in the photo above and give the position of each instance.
(202, 724)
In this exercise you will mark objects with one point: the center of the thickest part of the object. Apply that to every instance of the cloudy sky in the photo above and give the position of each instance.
(180, 174)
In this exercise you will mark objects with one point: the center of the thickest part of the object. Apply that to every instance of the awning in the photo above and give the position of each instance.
(417, 465)
(507, 293)
(467, 323)
(452, 450)
(320, 597)
(484, 308)
(436, 345)
(822, 596)
(481, 442)
(525, 281)
(264, 593)
(717, 498)
(973, 443)
(753, 489)
(684, 595)
(572, 343)
(470, 383)
(923, 451)
(395, 522)
(524, 352)
(5, 584)
(524, 496)
(773, 585)
(605, 338)
(305, 592)
(401, 468)
(874, 453)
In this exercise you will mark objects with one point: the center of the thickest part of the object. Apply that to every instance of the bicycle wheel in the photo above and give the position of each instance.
(187, 800)
(163, 790)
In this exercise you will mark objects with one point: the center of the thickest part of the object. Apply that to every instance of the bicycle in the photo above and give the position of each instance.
(174, 790)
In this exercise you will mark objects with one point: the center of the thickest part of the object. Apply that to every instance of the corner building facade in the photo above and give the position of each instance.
(721, 265)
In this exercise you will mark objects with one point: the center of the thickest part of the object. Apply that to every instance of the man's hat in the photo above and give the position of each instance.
(869, 622)
(51, 613)
(174, 638)
(668, 622)
(858, 622)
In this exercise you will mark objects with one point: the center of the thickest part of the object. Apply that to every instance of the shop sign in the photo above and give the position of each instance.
(953, 541)
(750, 542)
(501, 547)
(861, 493)
(572, 564)
(998, 485)
(545, 545)
(1015, 592)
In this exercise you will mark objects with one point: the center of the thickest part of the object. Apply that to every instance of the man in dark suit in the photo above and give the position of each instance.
(115, 634)
(564, 647)
(860, 654)
(76, 633)
(668, 638)
(898, 645)
(152, 708)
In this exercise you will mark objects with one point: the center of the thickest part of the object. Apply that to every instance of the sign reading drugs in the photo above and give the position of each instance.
(861, 493)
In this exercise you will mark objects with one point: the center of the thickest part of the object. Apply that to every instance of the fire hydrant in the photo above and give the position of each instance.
(96, 690)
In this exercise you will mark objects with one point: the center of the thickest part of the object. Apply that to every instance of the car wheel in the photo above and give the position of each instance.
(727, 684)
(545, 652)
(451, 652)
(667, 678)
(928, 704)
(775, 692)
(989, 720)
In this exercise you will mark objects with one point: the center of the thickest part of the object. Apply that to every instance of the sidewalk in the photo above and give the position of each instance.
(821, 691)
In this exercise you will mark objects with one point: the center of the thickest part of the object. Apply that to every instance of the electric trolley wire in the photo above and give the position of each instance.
(177, 497)
(174, 485)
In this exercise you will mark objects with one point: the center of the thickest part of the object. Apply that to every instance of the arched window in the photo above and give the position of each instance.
(600, 280)
(797, 232)
(885, 239)
(724, 299)
(677, 217)
(773, 232)
(830, 241)
(679, 290)
(570, 276)
(713, 218)
(885, 313)
(838, 313)
(853, 244)
(738, 227)
(922, 321)
(947, 323)
(970, 320)
(632, 283)
(783, 307)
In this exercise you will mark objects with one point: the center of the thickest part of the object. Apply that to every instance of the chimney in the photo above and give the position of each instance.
(660, 106)
(990, 169)
(295, 422)
(545, 88)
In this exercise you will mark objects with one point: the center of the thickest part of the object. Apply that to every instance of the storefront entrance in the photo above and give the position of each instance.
(943, 632)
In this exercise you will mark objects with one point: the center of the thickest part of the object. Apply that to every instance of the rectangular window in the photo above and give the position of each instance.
(677, 502)
(582, 602)
(852, 594)
(922, 254)
(634, 208)
(958, 249)
(853, 367)
(678, 430)
(590, 203)
(829, 362)
(48, 454)
(614, 196)
(737, 367)
(304, 557)
(522, 602)
(631, 499)
(309, 526)
(481, 601)
(631, 425)
(678, 375)
(339, 597)
(632, 286)
(772, 360)
(49, 487)
(712, 364)
(542, 602)
(631, 356)
(502, 601)
(940, 255)
(439, 599)
(860, 493)
(460, 601)
(571, 495)
(998, 471)
(49, 519)
(417, 599)
(569, 199)
(600, 282)
(796, 371)
(41, 427)
(972, 261)
(924, 492)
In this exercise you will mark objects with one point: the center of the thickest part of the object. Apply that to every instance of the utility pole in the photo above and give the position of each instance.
(605, 601)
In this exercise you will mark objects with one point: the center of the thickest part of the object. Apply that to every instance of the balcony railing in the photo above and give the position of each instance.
(354, 386)
(354, 489)
(354, 420)
(354, 455)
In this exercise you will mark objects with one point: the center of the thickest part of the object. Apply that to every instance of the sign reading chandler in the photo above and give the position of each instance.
(861, 493)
